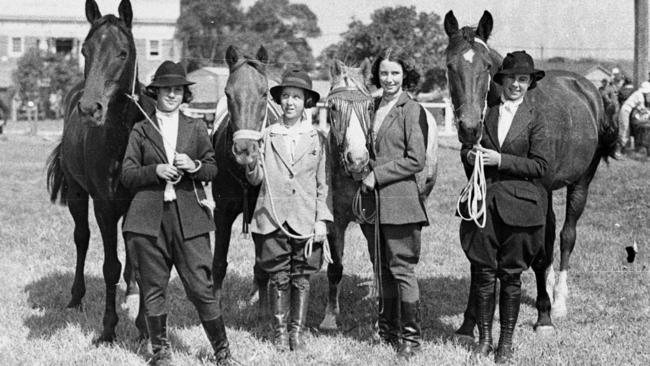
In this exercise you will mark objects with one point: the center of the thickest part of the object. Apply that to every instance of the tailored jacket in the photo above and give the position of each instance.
(300, 190)
(143, 153)
(515, 187)
(397, 154)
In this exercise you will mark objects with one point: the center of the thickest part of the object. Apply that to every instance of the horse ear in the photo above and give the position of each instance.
(485, 26)
(232, 55)
(366, 68)
(92, 11)
(451, 24)
(262, 55)
(126, 12)
(336, 69)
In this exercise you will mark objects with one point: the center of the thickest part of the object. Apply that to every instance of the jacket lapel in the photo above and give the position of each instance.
(279, 145)
(522, 118)
(391, 117)
(304, 143)
(184, 133)
(491, 126)
(154, 137)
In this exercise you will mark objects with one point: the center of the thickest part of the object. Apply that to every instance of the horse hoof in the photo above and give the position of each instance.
(104, 339)
(328, 323)
(131, 305)
(76, 305)
(544, 330)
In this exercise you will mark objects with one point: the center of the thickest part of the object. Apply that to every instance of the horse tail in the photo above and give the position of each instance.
(607, 132)
(56, 184)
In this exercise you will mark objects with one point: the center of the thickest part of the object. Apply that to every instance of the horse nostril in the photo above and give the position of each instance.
(349, 158)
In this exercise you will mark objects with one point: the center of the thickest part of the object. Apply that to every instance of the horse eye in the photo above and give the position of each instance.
(122, 55)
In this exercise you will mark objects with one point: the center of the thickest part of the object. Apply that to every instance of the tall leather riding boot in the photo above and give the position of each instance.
(299, 305)
(388, 322)
(509, 301)
(486, 282)
(160, 347)
(279, 298)
(263, 302)
(411, 330)
(469, 317)
(216, 332)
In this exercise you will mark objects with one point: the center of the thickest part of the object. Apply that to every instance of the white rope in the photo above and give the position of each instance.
(473, 195)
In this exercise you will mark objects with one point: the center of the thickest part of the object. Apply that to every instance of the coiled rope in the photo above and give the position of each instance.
(473, 194)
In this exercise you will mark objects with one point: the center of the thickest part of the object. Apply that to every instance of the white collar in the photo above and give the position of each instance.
(511, 103)
(166, 115)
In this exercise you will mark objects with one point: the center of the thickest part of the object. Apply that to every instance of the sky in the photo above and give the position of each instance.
(570, 28)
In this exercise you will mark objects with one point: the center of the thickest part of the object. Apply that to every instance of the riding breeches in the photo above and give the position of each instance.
(153, 259)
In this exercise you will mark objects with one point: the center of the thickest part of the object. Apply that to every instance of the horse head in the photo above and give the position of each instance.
(109, 68)
(350, 114)
(470, 67)
(247, 94)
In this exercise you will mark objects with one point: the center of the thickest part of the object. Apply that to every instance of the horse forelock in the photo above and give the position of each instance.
(109, 19)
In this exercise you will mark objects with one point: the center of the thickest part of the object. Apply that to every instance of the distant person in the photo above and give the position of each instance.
(636, 99)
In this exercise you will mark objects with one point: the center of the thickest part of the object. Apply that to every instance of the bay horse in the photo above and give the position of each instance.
(88, 160)
(350, 111)
(249, 111)
(580, 134)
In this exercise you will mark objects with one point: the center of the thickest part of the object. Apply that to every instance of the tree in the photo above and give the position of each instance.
(420, 34)
(280, 26)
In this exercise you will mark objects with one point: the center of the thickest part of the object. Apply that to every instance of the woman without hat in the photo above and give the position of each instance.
(166, 160)
(294, 202)
(515, 150)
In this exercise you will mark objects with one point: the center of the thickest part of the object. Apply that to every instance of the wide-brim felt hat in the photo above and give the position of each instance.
(518, 63)
(296, 79)
(170, 74)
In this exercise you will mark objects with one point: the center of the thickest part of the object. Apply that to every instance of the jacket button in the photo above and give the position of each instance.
(293, 191)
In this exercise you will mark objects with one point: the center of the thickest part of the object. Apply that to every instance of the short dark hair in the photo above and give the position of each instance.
(152, 92)
(399, 55)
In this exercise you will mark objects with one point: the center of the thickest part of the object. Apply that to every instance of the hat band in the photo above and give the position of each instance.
(296, 82)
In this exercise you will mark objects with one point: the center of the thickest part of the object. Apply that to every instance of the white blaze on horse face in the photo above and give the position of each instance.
(355, 140)
(469, 55)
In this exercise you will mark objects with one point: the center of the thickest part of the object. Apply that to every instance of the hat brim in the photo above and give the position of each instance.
(170, 80)
(276, 92)
(537, 75)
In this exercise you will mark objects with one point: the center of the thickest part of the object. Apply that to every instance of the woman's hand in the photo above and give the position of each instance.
(490, 157)
(167, 172)
(368, 183)
(320, 232)
(183, 162)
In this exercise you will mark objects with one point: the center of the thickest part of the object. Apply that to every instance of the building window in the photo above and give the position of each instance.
(16, 46)
(153, 51)
(63, 46)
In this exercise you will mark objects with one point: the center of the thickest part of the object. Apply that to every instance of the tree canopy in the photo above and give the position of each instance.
(420, 34)
(208, 27)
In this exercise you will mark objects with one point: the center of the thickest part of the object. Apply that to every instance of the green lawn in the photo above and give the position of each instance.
(609, 304)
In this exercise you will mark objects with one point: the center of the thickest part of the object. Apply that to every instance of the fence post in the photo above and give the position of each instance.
(449, 117)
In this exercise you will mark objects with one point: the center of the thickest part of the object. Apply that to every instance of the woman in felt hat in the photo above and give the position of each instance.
(294, 203)
(167, 158)
(515, 150)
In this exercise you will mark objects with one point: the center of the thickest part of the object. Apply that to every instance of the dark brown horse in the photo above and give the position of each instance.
(236, 142)
(88, 160)
(580, 133)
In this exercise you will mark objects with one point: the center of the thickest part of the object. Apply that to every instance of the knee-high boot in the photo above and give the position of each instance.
(279, 296)
(411, 330)
(262, 283)
(299, 307)
(485, 289)
(216, 331)
(469, 317)
(509, 301)
(162, 354)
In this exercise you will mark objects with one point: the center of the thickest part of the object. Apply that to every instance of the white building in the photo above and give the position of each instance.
(61, 26)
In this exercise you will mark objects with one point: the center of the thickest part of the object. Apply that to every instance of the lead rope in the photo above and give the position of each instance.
(373, 218)
(327, 254)
(473, 194)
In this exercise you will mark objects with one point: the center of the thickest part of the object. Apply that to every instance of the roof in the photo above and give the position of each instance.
(166, 11)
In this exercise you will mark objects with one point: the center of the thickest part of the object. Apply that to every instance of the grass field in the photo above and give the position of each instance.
(609, 304)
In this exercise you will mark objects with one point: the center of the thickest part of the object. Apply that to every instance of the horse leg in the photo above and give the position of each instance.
(544, 274)
(336, 240)
(107, 219)
(576, 200)
(223, 220)
(78, 206)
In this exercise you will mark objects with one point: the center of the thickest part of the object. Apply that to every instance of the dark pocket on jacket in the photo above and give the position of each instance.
(527, 194)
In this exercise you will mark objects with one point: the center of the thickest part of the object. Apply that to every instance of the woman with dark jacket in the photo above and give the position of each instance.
(398, 152)
(167, 224)
(515, 150)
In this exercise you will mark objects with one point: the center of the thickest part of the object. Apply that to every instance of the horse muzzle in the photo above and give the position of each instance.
(245, 151)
